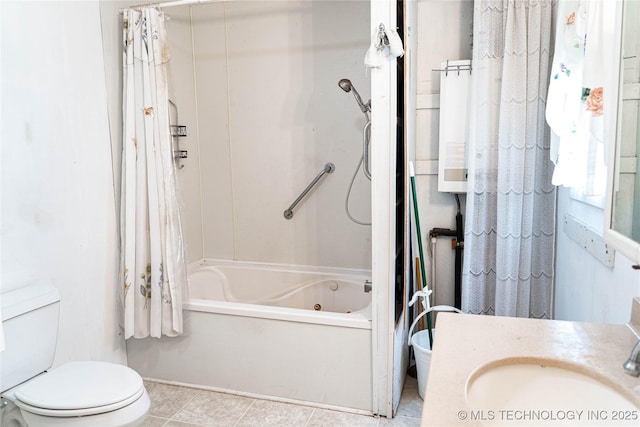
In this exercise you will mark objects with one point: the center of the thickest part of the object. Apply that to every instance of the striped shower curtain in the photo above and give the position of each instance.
(510, 221)
(152, 266)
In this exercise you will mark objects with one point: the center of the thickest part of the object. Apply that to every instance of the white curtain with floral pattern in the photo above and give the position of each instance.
(575, 104)
(510, 219)
(153, 270)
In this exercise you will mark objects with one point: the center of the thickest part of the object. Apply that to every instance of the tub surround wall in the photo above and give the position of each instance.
(269, 115)
(182, 87)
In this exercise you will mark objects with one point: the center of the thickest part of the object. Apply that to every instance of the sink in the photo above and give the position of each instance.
(534, 391)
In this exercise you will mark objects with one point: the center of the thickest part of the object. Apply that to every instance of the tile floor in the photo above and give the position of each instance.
(174, 406)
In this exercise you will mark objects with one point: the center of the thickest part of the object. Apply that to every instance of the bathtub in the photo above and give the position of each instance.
(287, 333)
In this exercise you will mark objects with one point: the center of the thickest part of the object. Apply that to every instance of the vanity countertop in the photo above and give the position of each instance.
(465, 342)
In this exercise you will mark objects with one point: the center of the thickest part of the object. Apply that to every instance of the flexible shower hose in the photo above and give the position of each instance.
(365, 137)
(346, 199)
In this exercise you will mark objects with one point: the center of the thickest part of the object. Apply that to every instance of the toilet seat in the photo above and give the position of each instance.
(80, 389)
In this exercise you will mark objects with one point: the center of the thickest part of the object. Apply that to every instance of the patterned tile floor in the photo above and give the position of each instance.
(174, 406)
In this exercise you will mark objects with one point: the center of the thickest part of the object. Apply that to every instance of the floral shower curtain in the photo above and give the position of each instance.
(510, 218)
(153, 271)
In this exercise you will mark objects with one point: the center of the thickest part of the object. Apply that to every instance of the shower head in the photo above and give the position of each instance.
(345, 85)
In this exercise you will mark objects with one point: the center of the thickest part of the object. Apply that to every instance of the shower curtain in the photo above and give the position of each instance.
(152, 264)
(510, 218)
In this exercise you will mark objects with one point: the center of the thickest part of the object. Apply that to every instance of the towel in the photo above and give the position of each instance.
(386, 45)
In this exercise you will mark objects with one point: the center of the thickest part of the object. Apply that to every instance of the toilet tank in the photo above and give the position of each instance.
(30, 325)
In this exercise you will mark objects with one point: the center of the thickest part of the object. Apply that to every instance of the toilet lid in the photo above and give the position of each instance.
(80, 388)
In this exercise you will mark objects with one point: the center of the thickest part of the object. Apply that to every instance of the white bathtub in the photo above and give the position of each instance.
(288, 333)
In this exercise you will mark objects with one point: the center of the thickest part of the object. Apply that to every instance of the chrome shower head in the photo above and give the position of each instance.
(345, 85)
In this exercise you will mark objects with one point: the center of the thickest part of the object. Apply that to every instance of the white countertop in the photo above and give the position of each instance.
(466, 342)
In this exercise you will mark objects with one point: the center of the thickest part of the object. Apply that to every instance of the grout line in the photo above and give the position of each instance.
(166, 420)
(185, 405)
(186, 422)
(229, 133)
(245, 412)
(310, 416)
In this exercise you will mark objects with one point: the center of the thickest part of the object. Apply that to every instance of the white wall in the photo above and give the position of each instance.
(58, 214)
(444, 33)
(587, 290)
(269, 116)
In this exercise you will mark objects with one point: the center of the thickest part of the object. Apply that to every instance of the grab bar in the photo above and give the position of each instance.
(328, 168)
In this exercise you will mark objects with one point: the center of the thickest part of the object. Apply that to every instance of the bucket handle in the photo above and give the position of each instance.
(429, 310)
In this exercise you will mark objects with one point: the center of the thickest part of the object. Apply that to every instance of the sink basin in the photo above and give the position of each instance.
(522, 391)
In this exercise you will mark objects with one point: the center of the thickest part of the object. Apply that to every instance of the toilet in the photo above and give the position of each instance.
(75, 394)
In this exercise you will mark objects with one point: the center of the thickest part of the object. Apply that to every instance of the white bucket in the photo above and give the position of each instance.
(422, 351)
(422, 347)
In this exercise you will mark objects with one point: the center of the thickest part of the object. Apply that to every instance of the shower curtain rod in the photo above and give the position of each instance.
(170, 4)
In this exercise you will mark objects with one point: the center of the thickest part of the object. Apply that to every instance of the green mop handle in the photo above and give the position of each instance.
(422, 272)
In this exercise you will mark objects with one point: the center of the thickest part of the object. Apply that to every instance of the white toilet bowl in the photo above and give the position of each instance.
(75, 394)
(82, 394)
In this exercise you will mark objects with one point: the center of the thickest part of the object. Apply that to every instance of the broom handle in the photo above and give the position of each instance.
(420, 251)
(419, 280)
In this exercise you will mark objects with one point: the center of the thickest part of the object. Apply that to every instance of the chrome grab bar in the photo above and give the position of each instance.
(328, 168)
